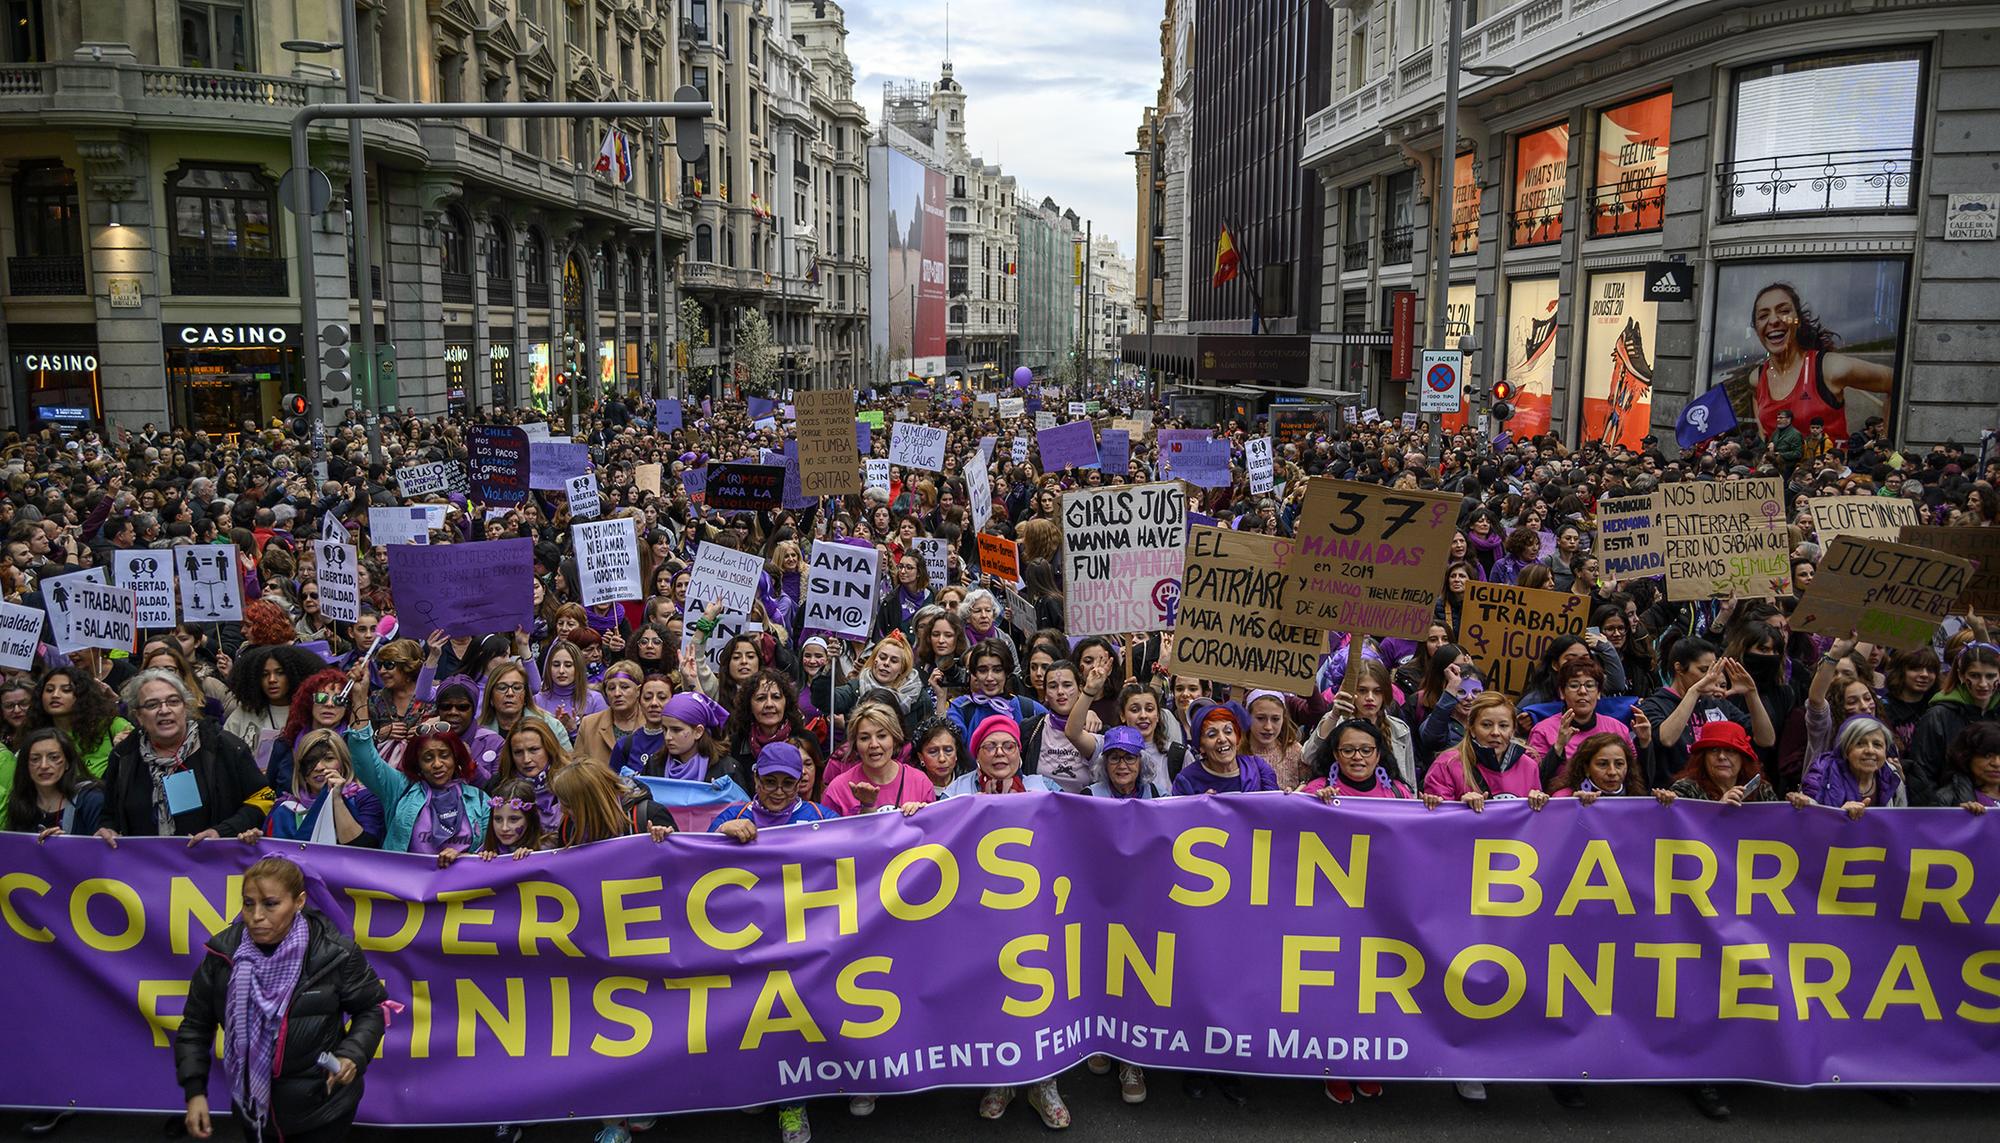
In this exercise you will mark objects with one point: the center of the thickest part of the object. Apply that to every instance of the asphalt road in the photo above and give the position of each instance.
(1276, 1111)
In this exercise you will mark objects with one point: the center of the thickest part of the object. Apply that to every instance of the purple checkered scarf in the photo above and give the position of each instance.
(260, 990)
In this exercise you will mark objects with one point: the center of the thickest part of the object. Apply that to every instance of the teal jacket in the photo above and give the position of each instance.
(403, 798)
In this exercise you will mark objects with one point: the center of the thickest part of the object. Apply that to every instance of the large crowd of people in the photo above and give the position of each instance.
(507, 743)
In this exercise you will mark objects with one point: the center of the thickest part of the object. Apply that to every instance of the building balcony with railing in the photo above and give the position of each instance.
(194, 272)
(1354, 255)
(55, 276)
(1881, 181)
(1397, 242)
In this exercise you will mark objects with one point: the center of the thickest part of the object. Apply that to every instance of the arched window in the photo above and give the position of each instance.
(958, 315)
(499, 265)
(535, 261)
(632, 265)
(600, 277)
(455, 243)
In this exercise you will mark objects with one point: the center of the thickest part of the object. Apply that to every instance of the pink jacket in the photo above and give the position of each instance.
(1542, 738)
(1446, 781)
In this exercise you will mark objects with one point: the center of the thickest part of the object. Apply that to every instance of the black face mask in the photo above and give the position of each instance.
(1763, 668)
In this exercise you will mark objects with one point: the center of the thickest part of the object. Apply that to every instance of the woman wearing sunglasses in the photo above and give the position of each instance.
(323, 802)
(319, 703)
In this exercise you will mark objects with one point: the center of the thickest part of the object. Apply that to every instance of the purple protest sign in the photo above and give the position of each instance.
(667, 414)
(760, 407)
(1204, 464)
(864, 438)
(553, 463)
(463, 589)
(1073, 445)
(1623, 941)
(695, 480)
(1114, 451)
(795, 497)
(496, 463)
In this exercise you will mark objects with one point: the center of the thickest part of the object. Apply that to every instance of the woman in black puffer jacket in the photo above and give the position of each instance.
(281, 977)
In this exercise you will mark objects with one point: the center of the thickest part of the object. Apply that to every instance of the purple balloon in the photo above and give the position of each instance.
(1023, 377)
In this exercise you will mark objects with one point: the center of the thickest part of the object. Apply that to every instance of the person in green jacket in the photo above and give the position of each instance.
(1788, 444)
(73, 702)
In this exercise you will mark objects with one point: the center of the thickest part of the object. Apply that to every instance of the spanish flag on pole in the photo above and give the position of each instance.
(1226, 259)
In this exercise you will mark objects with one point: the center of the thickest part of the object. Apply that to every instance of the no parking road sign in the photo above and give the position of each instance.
(1444, 381)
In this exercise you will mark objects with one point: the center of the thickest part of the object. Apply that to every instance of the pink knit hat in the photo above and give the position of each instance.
(992, 725)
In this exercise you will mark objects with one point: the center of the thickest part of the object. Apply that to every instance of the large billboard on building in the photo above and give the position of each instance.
(1619, 329)
(1821, 337)
(907, 248)
(1531, 352)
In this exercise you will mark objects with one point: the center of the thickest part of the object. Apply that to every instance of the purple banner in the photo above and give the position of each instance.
(1002, 940)
(1073, 445)
(552, 463)
(695, 480)
(864, 438)
(1114, 451)
(463, 589)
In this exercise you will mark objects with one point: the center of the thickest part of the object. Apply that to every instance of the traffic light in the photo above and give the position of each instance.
(1503, 396)
(297, 412)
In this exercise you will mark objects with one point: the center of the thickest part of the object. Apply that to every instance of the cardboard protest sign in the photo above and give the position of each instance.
(999, 557)
(936, 556)
(841, 581)
(20, 635)
(584, 502)
(1235, 620)
(1891, 594)
(746, 487)
(646, 478)
(398, 525)
(912, 445)
(978, 493)
(1257, 462)
(829, 456)
(431, 478)
(1506, 628)
(339, 586)
(724, 574)
(1629, 543)
(1122, 551)
(1073, 445)
(552, 464)
(1870, 517)
(463, 589)
(149, 573)
(86, 612)
(1372, 558)
(607, 560)
(1979, 545)
(211, 588)
(1726, 537)
(330, 528)
(497, 463)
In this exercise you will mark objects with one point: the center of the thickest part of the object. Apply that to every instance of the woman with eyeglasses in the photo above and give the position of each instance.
(167, 654)
(178, 776)
(322, 802)
(508, 697)
(320, 703)
(1580, 683)
(312, 623)
(50, 792)
(74, 702)
(17, 704)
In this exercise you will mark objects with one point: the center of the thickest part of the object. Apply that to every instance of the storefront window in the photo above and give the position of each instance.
(500, 367)
(220, 377)
(458, 363)
(55, 372)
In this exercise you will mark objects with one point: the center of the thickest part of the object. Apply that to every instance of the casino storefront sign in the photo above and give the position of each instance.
(221, 374)
(56, 374)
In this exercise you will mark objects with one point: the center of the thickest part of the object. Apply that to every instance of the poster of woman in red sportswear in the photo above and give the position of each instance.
(1818, 337)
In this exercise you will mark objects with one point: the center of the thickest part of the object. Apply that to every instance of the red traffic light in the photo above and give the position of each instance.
(295, 405)
(1503, 391)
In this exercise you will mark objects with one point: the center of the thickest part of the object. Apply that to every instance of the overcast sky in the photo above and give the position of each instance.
(1054, 88)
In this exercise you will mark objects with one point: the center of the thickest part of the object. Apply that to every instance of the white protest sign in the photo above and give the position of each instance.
(917, 446)
(1011, 407)
(1257, 460)
(583, 498)
(536, 431)
(877, 475)
(85, 613)
(1122, 555)
(1020, 453)
(1044, 419)
(936, 555)
(607, 560)
(430, 478)
(211, 591)
(979, 492)
(149, 573)
(399, 525)
(20, 634)
(339, 585)
(723, 574)
(330, 528)
(1076, 409)
(840, 589)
